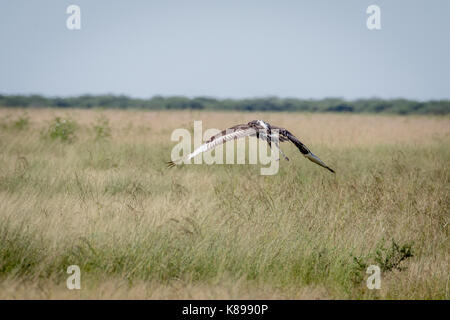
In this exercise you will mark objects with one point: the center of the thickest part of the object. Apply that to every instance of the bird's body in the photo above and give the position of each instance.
(259, 129)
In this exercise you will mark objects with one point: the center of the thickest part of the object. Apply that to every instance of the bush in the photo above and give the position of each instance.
(63, 129)
(387, 259)
(390, 258)
(21, 123)
(102, 128)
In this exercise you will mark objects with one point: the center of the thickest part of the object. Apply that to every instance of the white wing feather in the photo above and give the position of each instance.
(222, 139)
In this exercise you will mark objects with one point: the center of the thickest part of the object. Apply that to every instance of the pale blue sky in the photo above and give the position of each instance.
(227, 48)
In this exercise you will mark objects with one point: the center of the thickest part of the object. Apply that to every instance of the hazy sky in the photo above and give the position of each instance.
(227, 48)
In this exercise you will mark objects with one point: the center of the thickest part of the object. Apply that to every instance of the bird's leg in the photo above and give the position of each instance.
(281, 151)
(277, 144)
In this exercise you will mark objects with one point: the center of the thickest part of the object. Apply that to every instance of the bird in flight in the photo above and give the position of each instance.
(259, 129)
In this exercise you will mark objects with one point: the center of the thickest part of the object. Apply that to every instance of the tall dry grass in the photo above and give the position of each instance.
(107, 203)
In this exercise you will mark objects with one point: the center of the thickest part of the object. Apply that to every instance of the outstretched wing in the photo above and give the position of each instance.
(236, 132)
(285, 135)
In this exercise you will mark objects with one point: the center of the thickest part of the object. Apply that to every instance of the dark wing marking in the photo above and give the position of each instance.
(227, 131)
(285, 135)
(303, 149)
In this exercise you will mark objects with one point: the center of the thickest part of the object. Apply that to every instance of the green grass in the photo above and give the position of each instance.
(111, 207)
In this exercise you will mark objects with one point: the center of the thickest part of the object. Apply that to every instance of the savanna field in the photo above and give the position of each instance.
(91, 188)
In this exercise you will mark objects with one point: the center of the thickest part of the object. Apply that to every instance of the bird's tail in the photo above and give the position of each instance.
(312, 157)
(171, 164)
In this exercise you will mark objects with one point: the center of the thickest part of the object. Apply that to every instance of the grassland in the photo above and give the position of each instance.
(103, 199)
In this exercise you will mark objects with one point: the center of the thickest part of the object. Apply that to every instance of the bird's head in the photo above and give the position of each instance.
(261, 123)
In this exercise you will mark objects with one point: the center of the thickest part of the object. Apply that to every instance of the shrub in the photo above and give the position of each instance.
(390, 258)
(102, 128)
(387, 259)
(21, 123)
(63, 129)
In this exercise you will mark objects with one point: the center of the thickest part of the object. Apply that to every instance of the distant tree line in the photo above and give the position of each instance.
(373, 105)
